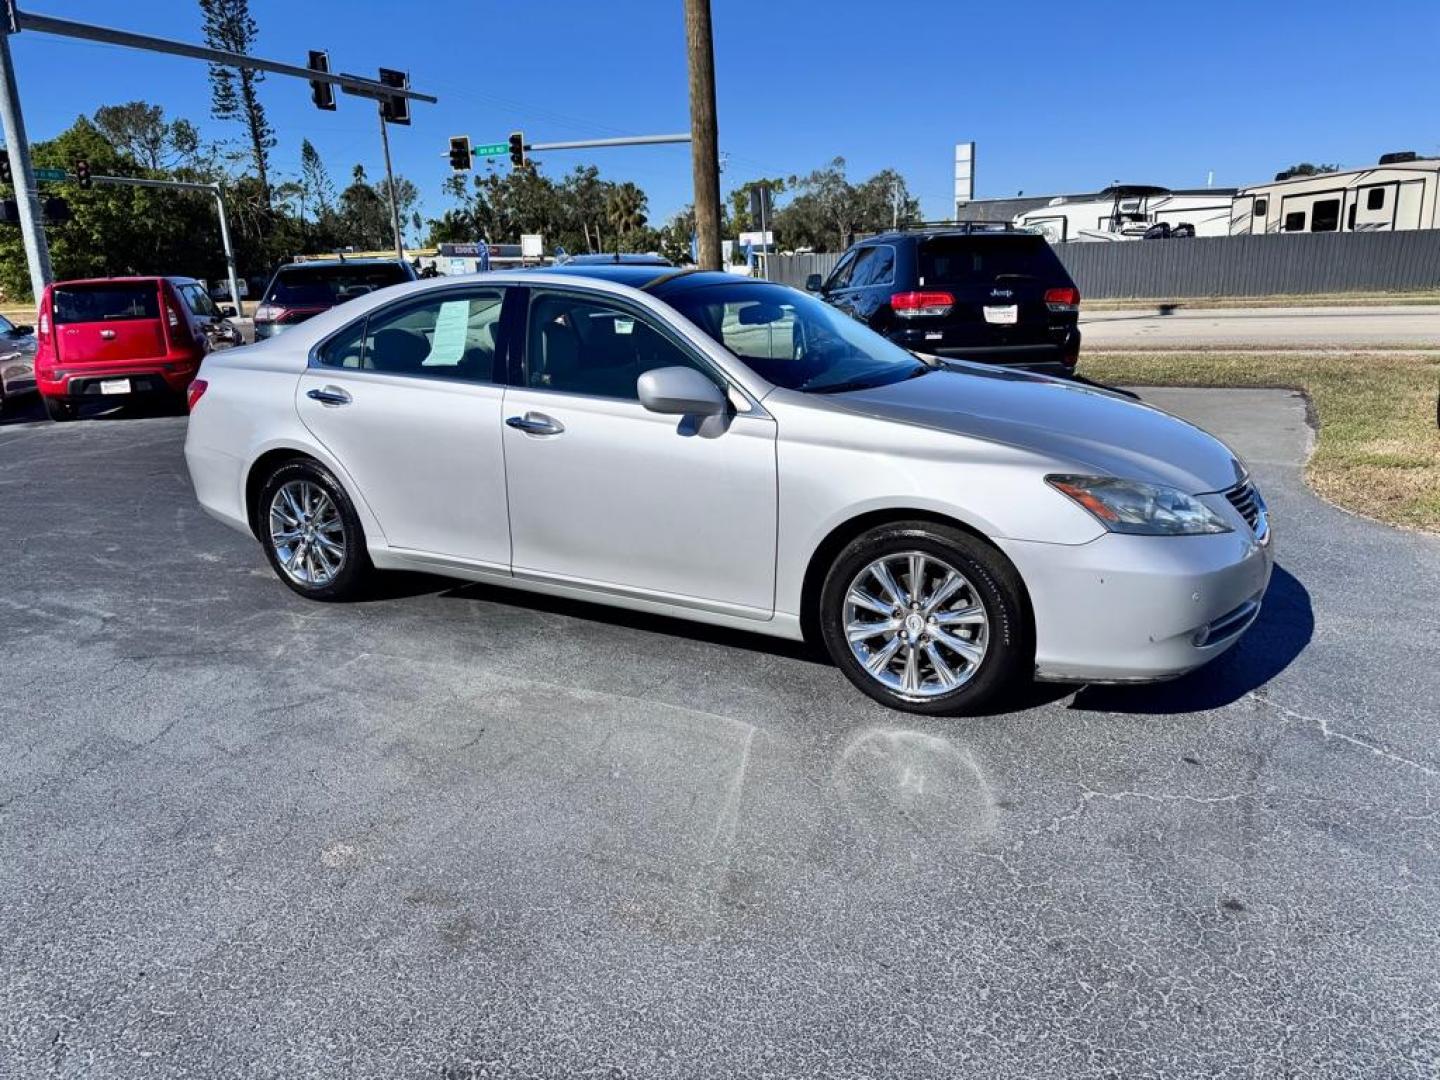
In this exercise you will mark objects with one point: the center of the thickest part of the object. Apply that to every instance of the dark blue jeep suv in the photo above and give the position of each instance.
(969, 292)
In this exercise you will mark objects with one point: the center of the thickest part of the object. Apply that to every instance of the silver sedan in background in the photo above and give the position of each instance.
(736, 452)
(17, 361)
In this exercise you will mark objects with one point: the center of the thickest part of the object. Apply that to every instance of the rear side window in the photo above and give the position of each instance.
(454, 336)
(326, 286)
(878, 268)
(106, 303)
(965, 260)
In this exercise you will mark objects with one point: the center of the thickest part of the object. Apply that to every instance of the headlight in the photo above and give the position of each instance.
(1129, 506)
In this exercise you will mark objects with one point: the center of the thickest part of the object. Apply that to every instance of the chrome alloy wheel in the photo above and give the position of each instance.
(307, 533)
(916, 624)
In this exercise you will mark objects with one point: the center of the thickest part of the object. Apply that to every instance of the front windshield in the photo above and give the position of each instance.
(794, 340)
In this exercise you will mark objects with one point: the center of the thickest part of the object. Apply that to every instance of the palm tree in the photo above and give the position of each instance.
(625, 209)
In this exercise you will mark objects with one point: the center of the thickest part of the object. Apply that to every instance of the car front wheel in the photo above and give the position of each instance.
(926, 619)
(310, 532)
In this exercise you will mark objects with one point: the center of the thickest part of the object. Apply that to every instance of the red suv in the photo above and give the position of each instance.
(116, 337)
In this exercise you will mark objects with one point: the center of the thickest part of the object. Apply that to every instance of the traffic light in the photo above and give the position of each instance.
(517, 149)
(56, 210)
(5, 175)
(396, 110)
(9, 212)
(321, 93)
(460, 153)
(82, 172)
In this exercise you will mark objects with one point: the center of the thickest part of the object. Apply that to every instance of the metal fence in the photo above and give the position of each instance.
(1280, 265)
(794, 269)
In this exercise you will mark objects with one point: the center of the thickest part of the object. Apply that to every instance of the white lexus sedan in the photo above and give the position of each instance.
(736, 452)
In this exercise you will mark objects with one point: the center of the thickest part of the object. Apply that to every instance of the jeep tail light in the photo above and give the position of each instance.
(192, 395)
(914, 305)
(1062, 299)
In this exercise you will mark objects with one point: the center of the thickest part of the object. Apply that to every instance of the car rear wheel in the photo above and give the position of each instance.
(59, 410)
(926, 619)
(311, 533)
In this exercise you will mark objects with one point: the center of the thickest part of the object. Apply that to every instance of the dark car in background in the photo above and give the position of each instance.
(989, 293)
(300, 291)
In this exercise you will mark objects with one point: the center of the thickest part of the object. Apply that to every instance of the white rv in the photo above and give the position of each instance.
(1399, 193)
(1129, 211)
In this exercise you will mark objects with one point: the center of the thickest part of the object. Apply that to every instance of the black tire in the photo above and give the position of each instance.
(59, 410)
(1008, 658)
(354, 570)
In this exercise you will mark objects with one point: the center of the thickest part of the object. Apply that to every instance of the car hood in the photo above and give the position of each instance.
(1100, 430)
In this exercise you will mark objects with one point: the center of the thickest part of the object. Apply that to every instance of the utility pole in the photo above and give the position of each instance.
(27, 198)
(704, 134)
(390, 181)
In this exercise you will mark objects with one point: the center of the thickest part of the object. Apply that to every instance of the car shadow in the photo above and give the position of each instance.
(396, 585)
(1281, 632)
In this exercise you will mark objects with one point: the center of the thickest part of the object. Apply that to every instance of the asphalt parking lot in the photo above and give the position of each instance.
(462, 832)
(1175, 326)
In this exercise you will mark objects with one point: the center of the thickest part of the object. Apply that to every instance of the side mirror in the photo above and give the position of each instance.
(812, 283)
(227, 312)
(680, 391)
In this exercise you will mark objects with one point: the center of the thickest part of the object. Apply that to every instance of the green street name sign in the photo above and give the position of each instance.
(49, 174)
(494, 149)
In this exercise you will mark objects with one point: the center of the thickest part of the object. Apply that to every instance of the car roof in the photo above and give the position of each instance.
(129, 279)
(323, 264)
(998, 229)
(617, 259)
(622, 273)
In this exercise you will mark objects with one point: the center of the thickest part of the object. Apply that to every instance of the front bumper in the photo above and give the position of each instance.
(1140, 608)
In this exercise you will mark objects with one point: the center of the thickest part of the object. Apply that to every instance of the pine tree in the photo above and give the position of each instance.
(234, 92)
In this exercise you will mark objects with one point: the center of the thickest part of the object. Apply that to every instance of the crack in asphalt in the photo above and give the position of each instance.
(1326, 732)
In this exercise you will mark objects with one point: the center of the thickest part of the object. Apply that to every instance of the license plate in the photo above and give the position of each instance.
(1003, 314)
(114, 386)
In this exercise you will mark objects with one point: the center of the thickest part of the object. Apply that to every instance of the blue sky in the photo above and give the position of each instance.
(1059, 96)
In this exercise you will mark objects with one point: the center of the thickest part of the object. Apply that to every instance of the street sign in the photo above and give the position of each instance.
(532, 245)
(494, 149)
(49, 174)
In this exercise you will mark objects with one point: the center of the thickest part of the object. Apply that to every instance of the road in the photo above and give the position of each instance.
(459, 832)
(1416, 325)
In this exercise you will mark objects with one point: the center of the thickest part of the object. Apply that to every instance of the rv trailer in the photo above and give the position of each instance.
(1399, 193)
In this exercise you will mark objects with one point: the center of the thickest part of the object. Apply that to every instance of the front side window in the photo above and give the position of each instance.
(840, 276)
(446, 337)
(578, 345)
(197, 301)
(794, 340)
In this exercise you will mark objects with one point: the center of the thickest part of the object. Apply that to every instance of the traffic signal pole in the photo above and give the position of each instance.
(188, 185)
(390, 182)
(27, 197)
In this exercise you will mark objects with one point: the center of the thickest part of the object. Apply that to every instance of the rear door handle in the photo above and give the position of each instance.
(534, 423)
(329, 395)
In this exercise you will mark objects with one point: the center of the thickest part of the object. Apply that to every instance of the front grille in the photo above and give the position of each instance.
(1246, 499)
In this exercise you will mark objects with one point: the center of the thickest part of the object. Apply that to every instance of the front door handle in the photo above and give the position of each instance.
(534, 423)
(330, 395)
